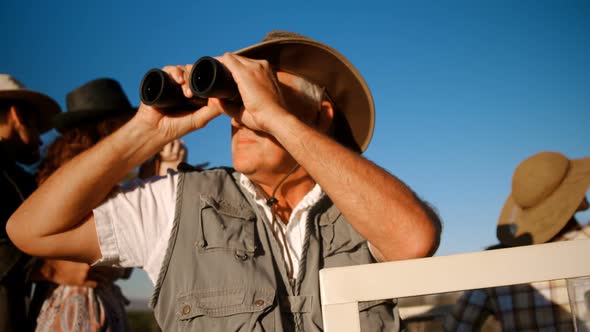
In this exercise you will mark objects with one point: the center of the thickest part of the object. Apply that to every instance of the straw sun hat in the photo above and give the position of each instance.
(547, 189)
(325, 67)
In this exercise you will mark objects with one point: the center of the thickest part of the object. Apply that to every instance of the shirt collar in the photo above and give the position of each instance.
(311, 198)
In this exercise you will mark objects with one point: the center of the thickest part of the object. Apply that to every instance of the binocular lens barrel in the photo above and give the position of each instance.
(209, 78)
(157, 89)
(152, 86)
(203, 75)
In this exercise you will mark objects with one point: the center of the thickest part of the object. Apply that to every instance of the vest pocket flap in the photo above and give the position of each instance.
(228, 209)
(223, 302)
(340, 237)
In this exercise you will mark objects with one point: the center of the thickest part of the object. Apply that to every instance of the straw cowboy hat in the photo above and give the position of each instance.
(326, 67)
(12, 89)
(92, 102)
(547, 189)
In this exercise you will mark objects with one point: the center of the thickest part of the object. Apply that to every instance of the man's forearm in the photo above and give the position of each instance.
(377, 204)
(71, 193)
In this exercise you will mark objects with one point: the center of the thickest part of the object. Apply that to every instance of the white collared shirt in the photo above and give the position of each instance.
(294, 230)
(134, 226)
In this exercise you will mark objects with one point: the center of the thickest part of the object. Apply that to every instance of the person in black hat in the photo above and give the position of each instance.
(73, 293)
(240, 249)
(24, 115)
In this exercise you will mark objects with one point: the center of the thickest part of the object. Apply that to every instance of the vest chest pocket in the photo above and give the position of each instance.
(225, 227)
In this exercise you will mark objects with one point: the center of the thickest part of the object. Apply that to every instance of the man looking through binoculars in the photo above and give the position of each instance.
(241, 249)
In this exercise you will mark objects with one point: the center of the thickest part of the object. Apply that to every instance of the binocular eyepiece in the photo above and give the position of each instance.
(209, 78)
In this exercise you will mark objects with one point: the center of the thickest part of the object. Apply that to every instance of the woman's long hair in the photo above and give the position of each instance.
(76, 140)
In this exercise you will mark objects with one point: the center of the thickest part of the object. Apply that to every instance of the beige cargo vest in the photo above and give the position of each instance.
(224, 270)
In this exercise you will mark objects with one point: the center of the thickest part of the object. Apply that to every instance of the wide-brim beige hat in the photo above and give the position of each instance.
(547, 189)
(325, 67)
(12, 89)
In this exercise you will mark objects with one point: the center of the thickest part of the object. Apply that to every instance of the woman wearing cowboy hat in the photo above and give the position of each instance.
(74, 296)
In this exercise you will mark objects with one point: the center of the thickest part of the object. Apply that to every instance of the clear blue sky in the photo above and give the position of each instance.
(464, 90)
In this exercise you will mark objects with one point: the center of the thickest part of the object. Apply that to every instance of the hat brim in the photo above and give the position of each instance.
(45, 105)
(326, 67)
(538, 224)
(66, 120)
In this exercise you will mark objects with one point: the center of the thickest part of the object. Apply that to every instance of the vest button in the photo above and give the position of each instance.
(259, 302)
(241, 255)
(186, 309)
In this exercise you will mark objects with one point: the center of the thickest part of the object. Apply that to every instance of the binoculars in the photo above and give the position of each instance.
(209, 78)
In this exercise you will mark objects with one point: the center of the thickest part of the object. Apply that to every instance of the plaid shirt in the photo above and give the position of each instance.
(539, 306)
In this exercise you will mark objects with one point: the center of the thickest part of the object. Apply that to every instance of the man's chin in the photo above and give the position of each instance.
(245, 168)
(241, 169)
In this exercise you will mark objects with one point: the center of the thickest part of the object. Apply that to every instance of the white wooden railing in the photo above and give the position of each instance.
(342, 288)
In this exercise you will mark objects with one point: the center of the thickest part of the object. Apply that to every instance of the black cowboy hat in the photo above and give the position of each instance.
(91, 102)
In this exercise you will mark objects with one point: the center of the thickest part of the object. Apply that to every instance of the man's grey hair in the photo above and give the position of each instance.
(315, 94)
(312, 92)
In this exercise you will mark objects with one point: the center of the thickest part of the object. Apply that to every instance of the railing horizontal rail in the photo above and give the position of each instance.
(344, 287)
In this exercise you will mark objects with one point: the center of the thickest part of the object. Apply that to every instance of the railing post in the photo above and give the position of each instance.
(343, 317)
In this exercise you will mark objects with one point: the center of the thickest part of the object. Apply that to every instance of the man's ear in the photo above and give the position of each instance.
(325, 116)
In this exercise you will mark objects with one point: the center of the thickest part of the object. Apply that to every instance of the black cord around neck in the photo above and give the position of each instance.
(276, 230)
(272, 200)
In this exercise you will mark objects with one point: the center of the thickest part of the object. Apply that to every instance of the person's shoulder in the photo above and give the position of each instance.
(17, 173)
(151, 182)
(217, 181)
(184, 167)
(214, 172)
